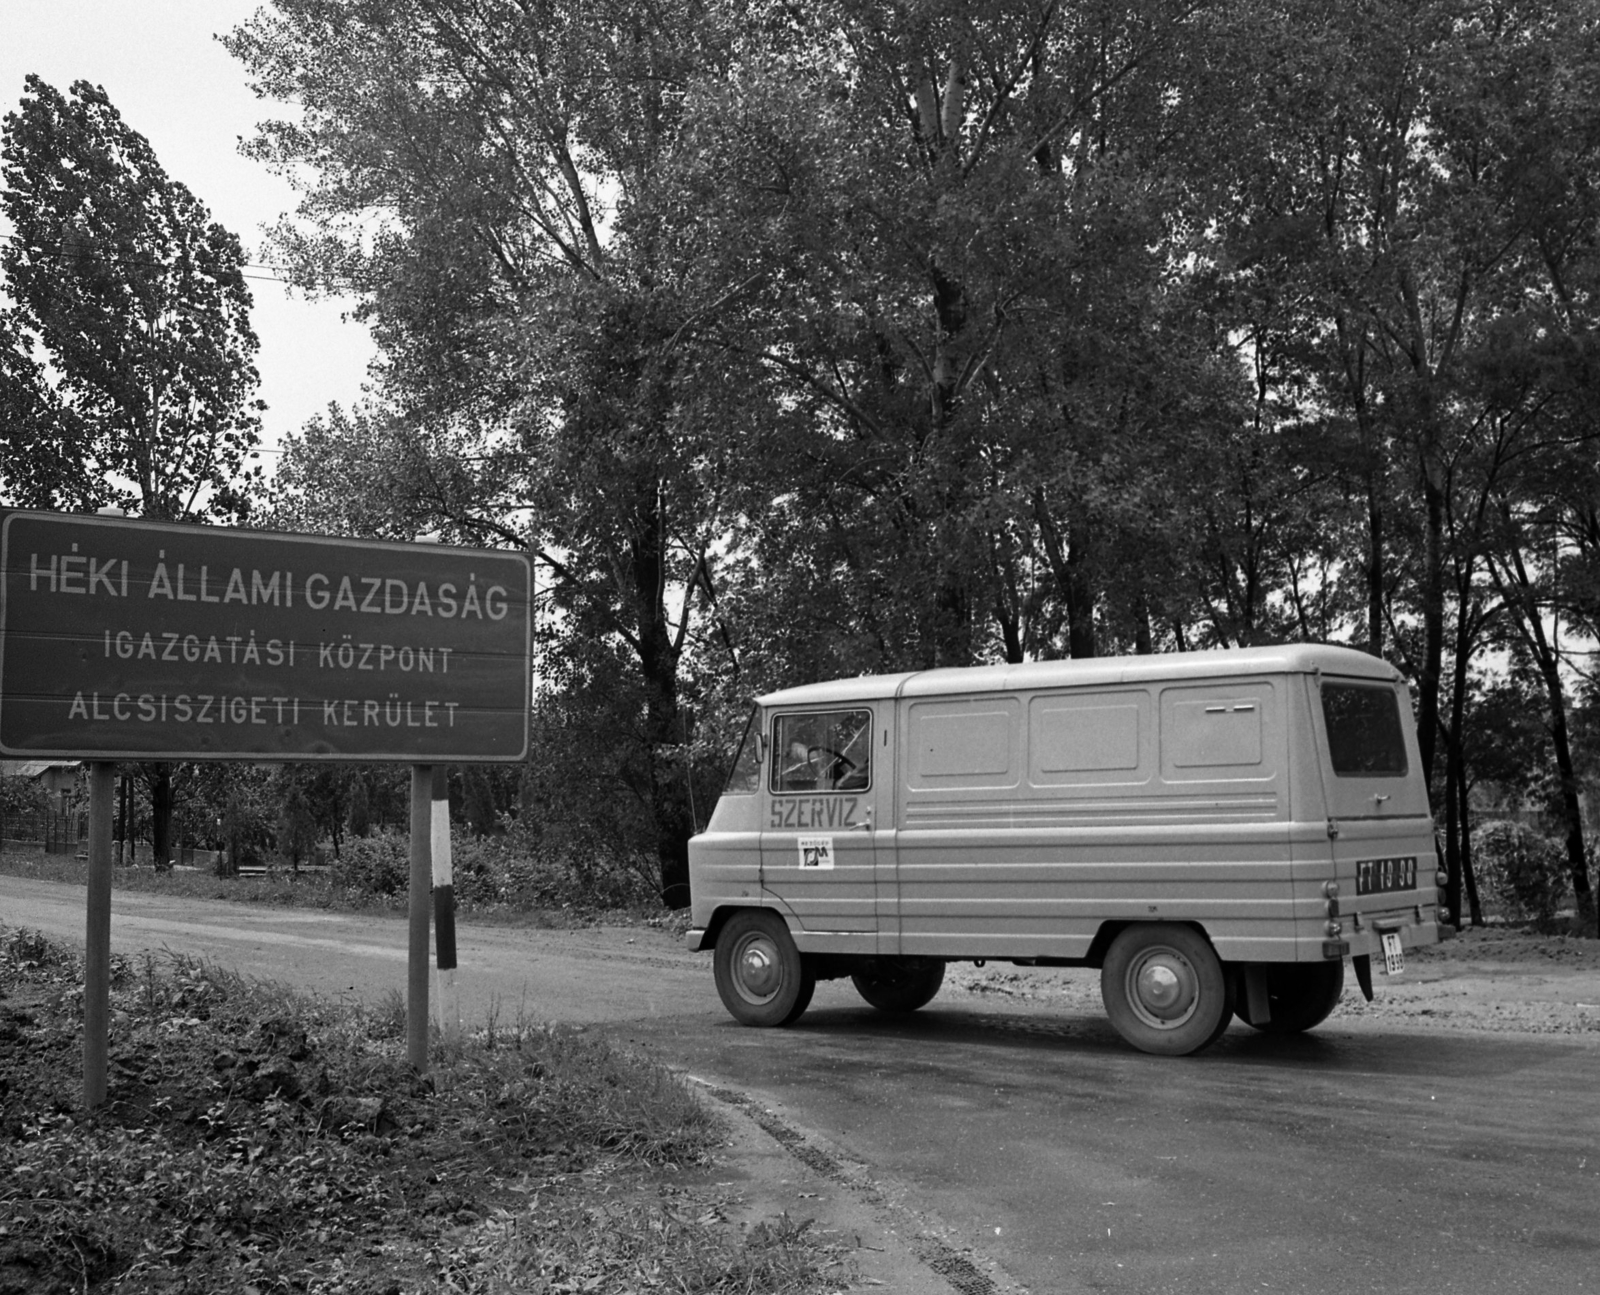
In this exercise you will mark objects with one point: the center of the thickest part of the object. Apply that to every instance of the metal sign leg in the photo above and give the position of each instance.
(97, 936)
(420, 903)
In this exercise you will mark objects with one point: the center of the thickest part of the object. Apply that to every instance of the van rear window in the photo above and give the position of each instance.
(1365, 739)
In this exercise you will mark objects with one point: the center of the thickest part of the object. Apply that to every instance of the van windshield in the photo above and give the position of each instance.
(745, 777)
(1365, 739)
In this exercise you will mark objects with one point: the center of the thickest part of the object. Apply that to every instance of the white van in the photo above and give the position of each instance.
(1216, 832)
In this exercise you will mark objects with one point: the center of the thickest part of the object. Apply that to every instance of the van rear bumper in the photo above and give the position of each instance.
(694, 939)
(1368, 939)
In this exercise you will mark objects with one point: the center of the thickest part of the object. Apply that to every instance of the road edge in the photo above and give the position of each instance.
(895, 1246)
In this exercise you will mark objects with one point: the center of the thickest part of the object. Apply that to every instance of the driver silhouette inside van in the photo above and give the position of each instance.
(820, 768)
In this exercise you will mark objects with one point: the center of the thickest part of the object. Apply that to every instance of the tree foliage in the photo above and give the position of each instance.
(126, 355)
(859, 336)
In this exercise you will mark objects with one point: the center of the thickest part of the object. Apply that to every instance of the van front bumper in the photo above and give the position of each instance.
(694, 939)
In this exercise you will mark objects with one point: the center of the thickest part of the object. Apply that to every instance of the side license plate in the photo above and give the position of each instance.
(1394, 957)
(1380, 876)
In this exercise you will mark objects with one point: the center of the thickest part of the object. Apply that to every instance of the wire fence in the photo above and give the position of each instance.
(57, 833)
(68, 833)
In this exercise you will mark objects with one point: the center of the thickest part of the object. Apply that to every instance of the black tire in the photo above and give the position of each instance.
(1299, 996)
(1165, 989)
(761, 976)
(900, 984)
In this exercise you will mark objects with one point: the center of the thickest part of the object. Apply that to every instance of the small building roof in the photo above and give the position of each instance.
(34, 768)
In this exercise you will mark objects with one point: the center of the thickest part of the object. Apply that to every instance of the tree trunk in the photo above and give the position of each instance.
(658, 663)
(1432, 614)
(1010, 623)
(160, 779)
(1079, 599)
(1474, 905)
(1525, 613)
(1452, 835)
(124, 846)
(1456, 848)
(1066, 557)
(1143, 637)
(1577, 862)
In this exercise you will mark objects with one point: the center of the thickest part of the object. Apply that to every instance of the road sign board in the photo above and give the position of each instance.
(124, 640)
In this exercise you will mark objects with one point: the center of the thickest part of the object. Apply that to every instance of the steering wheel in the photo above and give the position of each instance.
(844, 762)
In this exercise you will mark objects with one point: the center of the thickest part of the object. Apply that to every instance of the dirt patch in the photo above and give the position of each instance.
(1496, 979)
(1503, 945)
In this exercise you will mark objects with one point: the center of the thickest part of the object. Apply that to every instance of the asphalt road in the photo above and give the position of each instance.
(1374, 1155)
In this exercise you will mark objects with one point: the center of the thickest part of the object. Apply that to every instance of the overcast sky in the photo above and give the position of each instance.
(170, 79)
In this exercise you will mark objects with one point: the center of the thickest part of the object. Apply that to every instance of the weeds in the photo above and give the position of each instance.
(254, 1139)
(485, 874)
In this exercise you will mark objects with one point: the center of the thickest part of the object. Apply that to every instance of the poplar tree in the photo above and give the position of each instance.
(127, 367)
(127, 371)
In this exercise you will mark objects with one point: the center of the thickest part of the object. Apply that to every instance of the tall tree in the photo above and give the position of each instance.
(486, 173)
(137, 301)
(951, 230)
(127, 369)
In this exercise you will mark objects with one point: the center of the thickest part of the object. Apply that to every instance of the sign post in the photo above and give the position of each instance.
(134, 640)
(97, 935)
(420, 902)
(444, 909)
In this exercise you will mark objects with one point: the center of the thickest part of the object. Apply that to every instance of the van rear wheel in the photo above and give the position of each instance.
(1300, 995)
(1165, 990)
(899, 984)
(761, 977)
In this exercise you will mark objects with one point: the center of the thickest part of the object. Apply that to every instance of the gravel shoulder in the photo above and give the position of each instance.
(1491, 979)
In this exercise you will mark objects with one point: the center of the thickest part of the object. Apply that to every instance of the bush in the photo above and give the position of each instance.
(372, 867)
(1523, 869)
(522, 873)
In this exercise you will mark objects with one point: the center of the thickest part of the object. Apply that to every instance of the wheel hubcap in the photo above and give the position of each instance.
(1164, 988)
(758, 969)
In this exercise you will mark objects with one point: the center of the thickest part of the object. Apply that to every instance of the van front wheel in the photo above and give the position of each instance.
(1165, 990)
(900, 984)
(761, 976)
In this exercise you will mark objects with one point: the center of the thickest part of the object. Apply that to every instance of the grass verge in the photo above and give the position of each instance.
(283, 888)
(256, 1141)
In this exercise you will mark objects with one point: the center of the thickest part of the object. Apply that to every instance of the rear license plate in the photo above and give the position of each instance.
(1380, 876)
(1394, 957)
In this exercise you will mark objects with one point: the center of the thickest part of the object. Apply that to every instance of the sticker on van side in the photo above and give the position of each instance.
(816, 851)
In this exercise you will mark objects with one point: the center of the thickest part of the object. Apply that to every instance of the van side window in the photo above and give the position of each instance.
(1364, 735)
(822, 751)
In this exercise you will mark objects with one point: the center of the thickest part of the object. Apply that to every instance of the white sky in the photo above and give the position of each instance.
(171, 81)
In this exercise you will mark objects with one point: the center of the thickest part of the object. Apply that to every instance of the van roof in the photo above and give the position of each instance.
(1288, 658)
